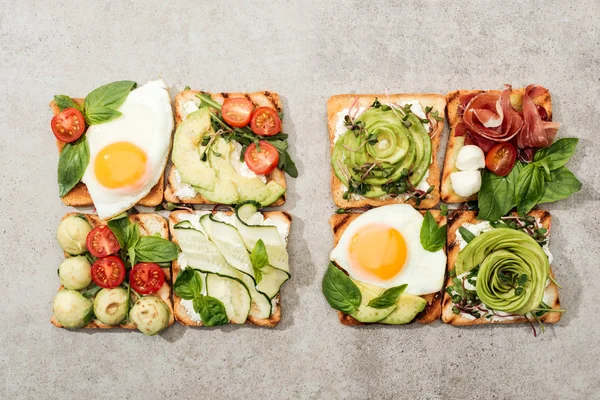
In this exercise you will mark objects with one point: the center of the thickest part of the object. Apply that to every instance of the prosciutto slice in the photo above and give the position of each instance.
(536, 132)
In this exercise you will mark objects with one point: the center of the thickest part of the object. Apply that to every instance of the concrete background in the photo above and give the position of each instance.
(307, 51)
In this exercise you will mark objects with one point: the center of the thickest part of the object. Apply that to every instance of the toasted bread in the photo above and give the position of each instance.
(79, 195)
(339, 223)
(181, 313)
(460, 218)
(148, 224)
(455, 143)
(267, 99)
(337, 103)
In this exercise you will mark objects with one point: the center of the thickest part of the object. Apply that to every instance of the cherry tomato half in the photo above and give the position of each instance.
(237, 111)
(146, 278)
(264, 161)
(108, 272)
(265, 122)
(501, 158)
(101, 242)
(68, 125)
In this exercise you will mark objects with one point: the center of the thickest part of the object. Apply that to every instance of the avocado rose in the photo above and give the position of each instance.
(72, 233)
(72, 309)
(513, 270)
(111, 306)
(150, 314)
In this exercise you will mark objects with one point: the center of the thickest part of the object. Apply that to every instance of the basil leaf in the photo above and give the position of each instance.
(72, 162)
(466, 234)
(340, 291)
(188, 284)
(259, 259)
(497, 194)
(433, 237)
(562, 184)
(91, 291)
(211, 310)
(111, 95)
(530, 188)
(557, 154)
(388, 298)
(126, 232)
(63, 101)
(96, 115)
(155, 249)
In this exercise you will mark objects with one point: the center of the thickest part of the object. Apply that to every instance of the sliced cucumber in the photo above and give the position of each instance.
(274, 243)
(233, 294)
(272, 279)
(184, 225)
(246, 210)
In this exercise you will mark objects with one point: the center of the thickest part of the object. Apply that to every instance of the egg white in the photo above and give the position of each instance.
(423, 272)
(147, 122)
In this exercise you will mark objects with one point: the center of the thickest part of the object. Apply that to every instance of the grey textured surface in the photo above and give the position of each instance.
(307, 51)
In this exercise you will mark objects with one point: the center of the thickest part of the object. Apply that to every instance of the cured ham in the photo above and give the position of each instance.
(536, 132)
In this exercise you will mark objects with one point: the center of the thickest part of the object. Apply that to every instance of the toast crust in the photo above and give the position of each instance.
(456, 143)
(433, 309)
(460, 218)
(264, 98)
(337, 103)
(149, 224)
(79, 196)
(181, 314)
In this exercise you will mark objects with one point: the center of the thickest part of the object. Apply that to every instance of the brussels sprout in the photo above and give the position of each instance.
(75, 273)
(71, 234)
(72, 309)
(111, 306)
(150, 314)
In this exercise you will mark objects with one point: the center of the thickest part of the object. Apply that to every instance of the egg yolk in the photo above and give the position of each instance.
(120, 164)
(378, 250)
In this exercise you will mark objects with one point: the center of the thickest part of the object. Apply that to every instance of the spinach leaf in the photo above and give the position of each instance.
(466, 234)
(188, 284)
(259, 259)
(72, 162)
(63, 101)
(155, 249)
(433, 237)
(562, 184)
(497, 194)
(388, 298)
(530, 188)
(211, 310)
(340, 291)
(557, 154)
(96, 115)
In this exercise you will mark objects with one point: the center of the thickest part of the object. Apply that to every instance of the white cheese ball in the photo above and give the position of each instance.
(466, 183)
(470, 158)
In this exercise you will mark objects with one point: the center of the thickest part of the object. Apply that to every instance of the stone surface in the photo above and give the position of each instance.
(306, 51)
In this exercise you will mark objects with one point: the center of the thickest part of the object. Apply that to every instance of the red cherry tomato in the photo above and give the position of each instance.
(237, 111)
(68, 125)
(101, 242)
(108, 272)
(265, 122)
(501, 158)
(264, 161)
(146, 278)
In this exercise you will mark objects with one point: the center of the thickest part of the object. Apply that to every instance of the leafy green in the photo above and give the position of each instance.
(188, 284)
(96, 115)
(91, 291)
(101, 104)
(259, 259)
(433, 237)
(444, 210)
(72, 163)
(497, 194)
(211, 310)
(388, 298)
(155, 249)
(530, 188)
(340, 291)
(466, 234)
(562, 184)
(63, 101)
(557, 154)
(126, 232)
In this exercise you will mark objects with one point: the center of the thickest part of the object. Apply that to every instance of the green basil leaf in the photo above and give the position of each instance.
(562, 184)
(96, 115)
(91, 291)
(530, 188)
(188, 284)
(155, 249)
(388, 298)
(433, 237)
(111, 95)
(72, 162)
(63, 101)
(340, 291)
(258, 256)
(466, 234)
(211, 310)
(557, 154)
(497, 194)
(126, 232)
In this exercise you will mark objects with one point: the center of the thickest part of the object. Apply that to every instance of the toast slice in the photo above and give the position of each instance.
(455, 143)
(264, 98)
(337, 103)
(181, 313)
(433, 309)
(460, 218)
(149, 224)
(79, 195)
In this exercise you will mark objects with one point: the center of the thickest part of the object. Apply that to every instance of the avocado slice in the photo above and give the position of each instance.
(186, 142)
(368, 314)
(409, 305)
(275, 192)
